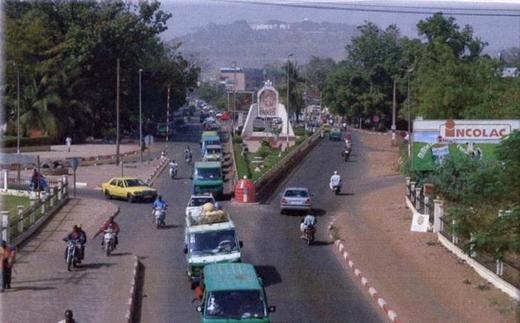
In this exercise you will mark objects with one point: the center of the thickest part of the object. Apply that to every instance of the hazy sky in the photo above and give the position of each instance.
(497, 22)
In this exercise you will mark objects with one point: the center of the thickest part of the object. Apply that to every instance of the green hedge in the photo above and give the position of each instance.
(241, 162)
(11, 141)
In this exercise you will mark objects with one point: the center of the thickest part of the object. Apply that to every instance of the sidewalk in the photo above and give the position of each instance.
(42, 288)
(418, 278)
(87, 150)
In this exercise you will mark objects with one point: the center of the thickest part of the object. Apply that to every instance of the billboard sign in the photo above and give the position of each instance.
(434, 140)
(267, 102)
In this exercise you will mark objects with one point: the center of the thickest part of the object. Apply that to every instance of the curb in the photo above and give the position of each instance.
(370, 132)
(133, 288)
(158, 169)
(392, 315)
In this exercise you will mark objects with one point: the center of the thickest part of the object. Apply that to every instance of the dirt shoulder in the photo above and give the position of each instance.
(421, 280)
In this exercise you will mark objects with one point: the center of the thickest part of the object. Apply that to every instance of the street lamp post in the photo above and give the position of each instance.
(393, 113)
(288, 85)
(17, 108)
(234, 97)
(140, 119)
(410, 153)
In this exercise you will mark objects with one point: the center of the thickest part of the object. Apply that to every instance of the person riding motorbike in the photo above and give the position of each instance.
(335, 180)
(82, 240)
(110, 224)
(173, 168)
(76, 237)
(308, 222)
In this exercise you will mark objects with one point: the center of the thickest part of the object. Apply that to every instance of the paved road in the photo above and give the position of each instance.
(307, 284)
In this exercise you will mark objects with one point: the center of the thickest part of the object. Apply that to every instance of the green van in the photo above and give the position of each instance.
(207, 178)
(233, 293)
(209, 138)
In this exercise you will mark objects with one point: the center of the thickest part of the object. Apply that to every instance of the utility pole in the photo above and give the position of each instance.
(234, 97)
(140, 119)
(393, 113)
(168, 113)
(288, 85)
(117, 114)
(17, 108)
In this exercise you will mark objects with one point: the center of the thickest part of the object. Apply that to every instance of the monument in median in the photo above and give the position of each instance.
(268, 110)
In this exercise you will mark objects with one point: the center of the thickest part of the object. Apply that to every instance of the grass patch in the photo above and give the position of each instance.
(10, 203)
(241, 162)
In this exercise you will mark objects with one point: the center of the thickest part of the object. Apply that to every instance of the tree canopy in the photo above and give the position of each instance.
(66, 53)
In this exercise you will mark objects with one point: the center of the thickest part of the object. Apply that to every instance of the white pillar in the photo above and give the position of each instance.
(20, 218)
(60, 190)
(32, 202)
(42, 201)
(5, 226)
(438, 213)
(65, 185)
(5, 179)
(417, 198)
(52, 197)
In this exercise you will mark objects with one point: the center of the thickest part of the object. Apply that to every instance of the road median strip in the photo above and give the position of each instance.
(391, 314)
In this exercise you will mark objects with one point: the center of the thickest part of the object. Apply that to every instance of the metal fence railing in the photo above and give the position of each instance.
(508, 267)
(41, 204)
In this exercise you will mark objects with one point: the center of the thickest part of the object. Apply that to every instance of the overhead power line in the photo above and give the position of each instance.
(383, 9)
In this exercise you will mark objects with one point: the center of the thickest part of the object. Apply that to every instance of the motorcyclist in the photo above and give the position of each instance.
(76, 237)
(82, 240)
(335, 180)
(173, 167)
(308, 222)
(110, 224)
(159, 204)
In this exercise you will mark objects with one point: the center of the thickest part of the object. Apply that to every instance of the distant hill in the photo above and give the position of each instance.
(254, 45)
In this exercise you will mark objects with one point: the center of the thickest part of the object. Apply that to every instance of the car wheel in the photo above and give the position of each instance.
(130, 198)
(107, 195)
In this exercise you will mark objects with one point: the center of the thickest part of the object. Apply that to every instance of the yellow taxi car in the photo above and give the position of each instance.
(325, 127)
(129, 188)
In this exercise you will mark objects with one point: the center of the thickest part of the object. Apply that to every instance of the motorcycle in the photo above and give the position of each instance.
(159, 216)
(109, 243)
(187, 158)
(336, 188)
(72, 254)
(346, 154)
(308, 235)
(173, 172)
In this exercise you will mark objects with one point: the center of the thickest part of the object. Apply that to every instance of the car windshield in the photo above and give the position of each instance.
(213, 150)
(198, 201)
(296, 193)
(240, 304)
(207, 173)
(134, 182)
(213, 242)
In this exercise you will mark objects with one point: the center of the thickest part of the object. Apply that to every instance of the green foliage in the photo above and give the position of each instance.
(66, 52)
(24, 141)
(241, 162)
(237, 139)
(263, 151)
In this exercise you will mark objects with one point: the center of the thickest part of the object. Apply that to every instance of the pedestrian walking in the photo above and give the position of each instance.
(68, 142)
(7, 256)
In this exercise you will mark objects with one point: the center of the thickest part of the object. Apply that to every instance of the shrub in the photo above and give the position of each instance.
(263, 151)
(237, 140)
(40, 141)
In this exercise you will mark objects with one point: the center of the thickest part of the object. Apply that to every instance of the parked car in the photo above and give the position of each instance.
(129, 188)
(295, 199)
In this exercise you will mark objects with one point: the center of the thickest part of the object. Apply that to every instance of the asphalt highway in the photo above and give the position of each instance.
(306, 284)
